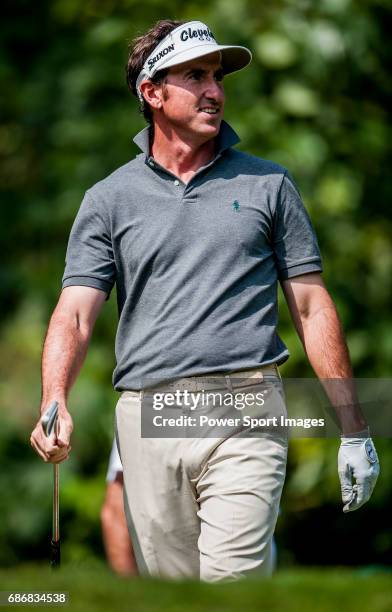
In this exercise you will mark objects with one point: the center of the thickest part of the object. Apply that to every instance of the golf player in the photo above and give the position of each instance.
(196, 235)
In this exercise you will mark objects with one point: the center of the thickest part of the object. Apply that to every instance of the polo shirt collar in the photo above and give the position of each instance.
(226, 138)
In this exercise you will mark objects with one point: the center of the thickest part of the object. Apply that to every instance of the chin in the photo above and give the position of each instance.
(210, 128)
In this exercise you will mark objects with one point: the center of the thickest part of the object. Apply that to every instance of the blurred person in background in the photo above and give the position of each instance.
(118, 545)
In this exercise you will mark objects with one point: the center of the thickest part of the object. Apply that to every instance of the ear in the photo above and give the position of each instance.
(152, 93)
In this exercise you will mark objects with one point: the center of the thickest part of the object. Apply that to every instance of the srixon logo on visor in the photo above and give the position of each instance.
(153, 60)
(189, 33)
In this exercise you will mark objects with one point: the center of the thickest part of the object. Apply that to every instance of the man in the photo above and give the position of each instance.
(118, 545)
(196, 235)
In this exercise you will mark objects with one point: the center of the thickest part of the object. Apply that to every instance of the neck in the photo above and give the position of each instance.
(179, 153)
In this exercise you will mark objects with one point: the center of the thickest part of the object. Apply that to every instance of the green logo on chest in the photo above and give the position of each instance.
(236, 205)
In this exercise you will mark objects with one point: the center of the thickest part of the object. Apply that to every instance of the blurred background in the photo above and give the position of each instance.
(314, 99)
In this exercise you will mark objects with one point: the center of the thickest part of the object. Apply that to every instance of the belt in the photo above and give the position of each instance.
(217, 380)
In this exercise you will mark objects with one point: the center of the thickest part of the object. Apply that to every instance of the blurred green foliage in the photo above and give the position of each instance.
(314, 99)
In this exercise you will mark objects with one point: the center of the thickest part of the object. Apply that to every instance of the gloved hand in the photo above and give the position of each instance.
(357, 458)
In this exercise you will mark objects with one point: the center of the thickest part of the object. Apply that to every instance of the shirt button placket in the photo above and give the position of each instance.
(180, 192)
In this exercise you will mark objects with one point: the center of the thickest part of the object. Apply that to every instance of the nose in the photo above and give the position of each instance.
(214, 89)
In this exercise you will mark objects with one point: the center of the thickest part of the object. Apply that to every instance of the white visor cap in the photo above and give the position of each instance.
(189, 41)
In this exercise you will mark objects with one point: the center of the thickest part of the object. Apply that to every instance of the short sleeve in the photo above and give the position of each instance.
(89, 259)
(295, 244)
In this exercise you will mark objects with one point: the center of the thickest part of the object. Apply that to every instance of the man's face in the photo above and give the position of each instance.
(193, 96)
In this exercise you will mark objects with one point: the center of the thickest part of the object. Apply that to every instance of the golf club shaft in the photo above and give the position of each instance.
(55, 526)
(50, 421)
(55, 543)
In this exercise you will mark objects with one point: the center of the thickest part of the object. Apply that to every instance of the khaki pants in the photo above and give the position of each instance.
(201, 508)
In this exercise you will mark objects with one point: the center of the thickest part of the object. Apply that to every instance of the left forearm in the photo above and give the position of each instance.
(324, 343)
(319, 328)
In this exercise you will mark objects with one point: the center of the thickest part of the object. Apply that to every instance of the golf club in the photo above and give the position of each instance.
(49, 422)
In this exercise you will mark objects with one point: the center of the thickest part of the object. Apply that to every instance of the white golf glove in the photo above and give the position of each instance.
(357, 459)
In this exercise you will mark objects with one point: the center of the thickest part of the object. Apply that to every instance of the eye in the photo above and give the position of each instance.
(219, 75)
(196, 74)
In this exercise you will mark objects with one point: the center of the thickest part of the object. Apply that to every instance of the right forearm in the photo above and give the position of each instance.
(64, 351)
(65, 348)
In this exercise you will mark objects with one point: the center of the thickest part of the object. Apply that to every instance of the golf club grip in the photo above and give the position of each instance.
(55, 553)
(49, 418)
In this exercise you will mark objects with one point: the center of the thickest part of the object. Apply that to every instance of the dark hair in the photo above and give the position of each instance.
(138, 51)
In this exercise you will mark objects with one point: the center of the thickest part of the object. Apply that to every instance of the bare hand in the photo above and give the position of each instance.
(56, 447)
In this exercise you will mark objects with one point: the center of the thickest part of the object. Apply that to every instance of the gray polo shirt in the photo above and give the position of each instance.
(196, 265)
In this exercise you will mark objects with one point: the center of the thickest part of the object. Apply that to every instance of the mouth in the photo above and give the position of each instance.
(209, 110)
